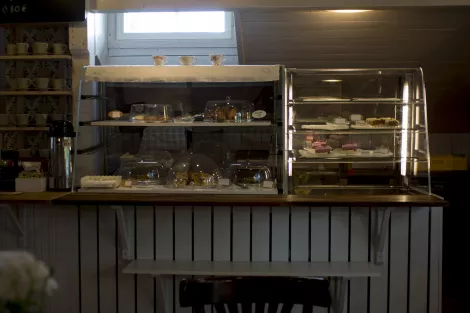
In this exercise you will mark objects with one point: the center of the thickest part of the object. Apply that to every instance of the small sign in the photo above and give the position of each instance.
(258, 114)
(224, 182)
(268, 184)
(44, 11)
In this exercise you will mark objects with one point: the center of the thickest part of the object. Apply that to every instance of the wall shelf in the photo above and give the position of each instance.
(31, 57)
(171, 124)
(280, 269)
(35, 93)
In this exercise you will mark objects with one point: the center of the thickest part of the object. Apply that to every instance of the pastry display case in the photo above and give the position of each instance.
(164, 129)
(355, 131)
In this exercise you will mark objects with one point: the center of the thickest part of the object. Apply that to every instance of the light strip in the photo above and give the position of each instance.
(404, 125)
(349, 11)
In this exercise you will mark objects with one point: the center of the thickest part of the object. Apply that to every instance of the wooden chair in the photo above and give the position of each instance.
(270, 291)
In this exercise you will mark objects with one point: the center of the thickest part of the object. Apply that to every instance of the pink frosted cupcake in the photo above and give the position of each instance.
(323, 150)
(350, 148)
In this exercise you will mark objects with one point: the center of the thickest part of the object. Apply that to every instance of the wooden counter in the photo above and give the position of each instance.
(220, 200)
(30, 197)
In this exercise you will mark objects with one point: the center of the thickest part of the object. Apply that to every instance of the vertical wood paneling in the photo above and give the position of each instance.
(241, 235)
(89, 264)
(66, 263)
(280, 233)
(359, 252)
(107, 259)
(221, 234)
(419, 233)
(378, 293)
(399, 235)
(183, 246)
(339, 240)
(126, 283)
(164, 251)
(299, 241)
(435, 263)
(203, 236)
(260, 234)
(145, 248)
(319, 239)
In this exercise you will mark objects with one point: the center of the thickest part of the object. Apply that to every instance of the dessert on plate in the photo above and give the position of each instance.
(349, 148)
(323, 150)
(318, 143)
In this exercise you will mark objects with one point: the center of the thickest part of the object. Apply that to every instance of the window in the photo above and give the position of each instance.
(174, 25)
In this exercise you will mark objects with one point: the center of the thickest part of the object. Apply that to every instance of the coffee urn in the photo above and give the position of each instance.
(61, 137)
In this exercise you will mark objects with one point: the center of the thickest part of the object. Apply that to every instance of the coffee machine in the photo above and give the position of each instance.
(61, 137)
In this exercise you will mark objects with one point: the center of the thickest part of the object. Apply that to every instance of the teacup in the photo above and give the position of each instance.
(23, 119)
(40, 47)
(188, 60)
(23, 83)
(5, 119)
(160, 60)
(11, 49)
(58, 48)
(58, 84)
(22, 48)
(42, 83)
(41, 119)
(217, 59)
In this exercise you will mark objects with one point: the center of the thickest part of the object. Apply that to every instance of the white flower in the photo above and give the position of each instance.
(23, 277)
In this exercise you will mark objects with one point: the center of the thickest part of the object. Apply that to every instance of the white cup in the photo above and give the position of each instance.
(188, 60)
(159, 60)
(58, 48)
(41, 119)
(23, 83)
(217, 59)
(22, 48)
(58, 84)
(11, 49)
(40, 47)
(42, 83)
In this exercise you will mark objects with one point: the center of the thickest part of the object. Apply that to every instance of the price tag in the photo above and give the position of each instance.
(258, 114)
(224, 182)
(268, 184)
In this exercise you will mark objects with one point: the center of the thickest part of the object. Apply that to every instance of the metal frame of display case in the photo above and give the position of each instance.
(181, 75)
(409, 135)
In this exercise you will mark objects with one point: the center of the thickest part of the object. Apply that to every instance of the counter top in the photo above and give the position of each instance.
(30, 197)
(219, 200)
(250, 200)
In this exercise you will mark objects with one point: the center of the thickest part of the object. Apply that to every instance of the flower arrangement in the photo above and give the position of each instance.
(25, 283)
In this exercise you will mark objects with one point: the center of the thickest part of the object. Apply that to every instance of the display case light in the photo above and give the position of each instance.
(349, 11)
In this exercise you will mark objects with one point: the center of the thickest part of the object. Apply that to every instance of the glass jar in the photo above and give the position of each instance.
(194, 171)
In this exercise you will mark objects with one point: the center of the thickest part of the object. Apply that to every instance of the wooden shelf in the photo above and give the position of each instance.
(279, 269)
(23, 129)
(36, 57)
(171, 124)
(232, 190)
(35, 93)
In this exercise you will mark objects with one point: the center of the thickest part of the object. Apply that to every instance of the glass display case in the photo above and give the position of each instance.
(164, 129)
(355, 131)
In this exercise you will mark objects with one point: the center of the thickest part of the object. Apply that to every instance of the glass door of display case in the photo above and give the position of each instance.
(355, 131)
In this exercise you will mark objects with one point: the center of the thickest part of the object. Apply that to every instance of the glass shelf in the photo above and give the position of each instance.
(364, 160)
(397, 131)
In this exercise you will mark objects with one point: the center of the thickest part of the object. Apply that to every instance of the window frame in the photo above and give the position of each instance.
(176, 36)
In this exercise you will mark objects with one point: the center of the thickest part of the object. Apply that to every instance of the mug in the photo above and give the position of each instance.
(11, 49)
(5, 119)
(58, 84)
(41, 119)
(40, 47)
(22, 48)
(160, 60)
(187, 60)
(23, 83)
(13, 83)
(22, 119)
(58, 48)
(42, 83)
(217, 59)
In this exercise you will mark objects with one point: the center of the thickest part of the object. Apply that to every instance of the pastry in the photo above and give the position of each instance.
(309, 138)
(323, 150)
(115, 114)
(391, 122)
(349, 148)
(139, 118)
(318, 143)
(231, 113)
(375, 121)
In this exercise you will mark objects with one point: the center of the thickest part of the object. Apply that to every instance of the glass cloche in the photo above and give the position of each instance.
(145, 170)
(194, 171)
(228, 111)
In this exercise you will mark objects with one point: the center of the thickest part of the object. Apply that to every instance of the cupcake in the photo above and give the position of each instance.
(349, 148)
(323, 150)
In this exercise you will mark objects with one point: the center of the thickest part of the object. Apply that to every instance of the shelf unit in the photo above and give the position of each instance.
(35, 93)
(180, 124)
(35, 57)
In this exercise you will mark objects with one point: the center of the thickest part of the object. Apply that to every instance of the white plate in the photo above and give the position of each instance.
(328, 126)
(369, 127)
(310, 154)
